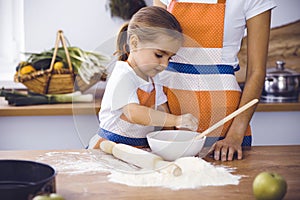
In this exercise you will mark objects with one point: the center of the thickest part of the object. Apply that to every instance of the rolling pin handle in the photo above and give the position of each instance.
(168, 167)
(107, 146)
(133, 155)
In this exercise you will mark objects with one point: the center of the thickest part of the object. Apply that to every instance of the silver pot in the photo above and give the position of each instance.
(281, 85)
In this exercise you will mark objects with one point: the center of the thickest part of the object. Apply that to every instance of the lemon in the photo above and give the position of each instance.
(27, 69)
(58, 65)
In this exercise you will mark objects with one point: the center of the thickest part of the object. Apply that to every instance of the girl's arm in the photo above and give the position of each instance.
(146, 116)
(257, 49)
(164, 107)
(159, 3)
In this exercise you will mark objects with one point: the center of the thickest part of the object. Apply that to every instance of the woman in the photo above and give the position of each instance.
(211, 56)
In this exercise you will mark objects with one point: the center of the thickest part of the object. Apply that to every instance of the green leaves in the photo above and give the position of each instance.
(16, 98)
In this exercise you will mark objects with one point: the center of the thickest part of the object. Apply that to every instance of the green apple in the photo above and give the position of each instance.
(54, 196)
(269, 186)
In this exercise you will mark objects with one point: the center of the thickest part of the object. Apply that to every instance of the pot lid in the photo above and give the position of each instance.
(280, 70)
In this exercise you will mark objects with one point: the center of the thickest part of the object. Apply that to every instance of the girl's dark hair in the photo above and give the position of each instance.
(148, 24)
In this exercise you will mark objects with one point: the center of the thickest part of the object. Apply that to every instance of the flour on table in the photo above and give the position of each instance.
(91, 161)
(196, 172)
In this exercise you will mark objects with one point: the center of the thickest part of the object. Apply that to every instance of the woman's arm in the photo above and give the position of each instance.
(143, 115)
(258, 31)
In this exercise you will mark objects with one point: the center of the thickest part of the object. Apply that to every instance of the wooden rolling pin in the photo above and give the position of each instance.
(140, 158)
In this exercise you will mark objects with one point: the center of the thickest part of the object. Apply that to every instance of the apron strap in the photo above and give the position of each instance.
(201, 69)
(122, 139)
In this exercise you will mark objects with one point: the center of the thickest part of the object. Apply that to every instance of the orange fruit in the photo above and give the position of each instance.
(27, 69)
(58, 65)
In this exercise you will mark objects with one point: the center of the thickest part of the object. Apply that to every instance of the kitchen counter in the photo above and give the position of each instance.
(94, 107)
(284, 160)
(49, 109)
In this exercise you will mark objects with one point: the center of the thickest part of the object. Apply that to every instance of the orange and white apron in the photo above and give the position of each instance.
(196, 81)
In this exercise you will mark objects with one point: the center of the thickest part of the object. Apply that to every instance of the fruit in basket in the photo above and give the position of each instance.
(269, 186)
(58, 65)
(43, 63)
(21, 64)
(85, 63)
(27, 69)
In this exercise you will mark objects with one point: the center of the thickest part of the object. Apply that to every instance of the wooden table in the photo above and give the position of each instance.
(284, 160)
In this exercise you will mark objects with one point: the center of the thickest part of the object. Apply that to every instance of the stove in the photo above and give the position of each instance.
(269, 98)
(279, 99)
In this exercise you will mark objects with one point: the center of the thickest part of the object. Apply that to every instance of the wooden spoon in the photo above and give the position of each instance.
(227, 118)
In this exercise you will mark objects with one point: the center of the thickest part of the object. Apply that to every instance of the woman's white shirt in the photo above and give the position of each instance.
(236, 15)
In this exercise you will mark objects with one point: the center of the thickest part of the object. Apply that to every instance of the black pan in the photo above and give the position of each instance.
(22, 180)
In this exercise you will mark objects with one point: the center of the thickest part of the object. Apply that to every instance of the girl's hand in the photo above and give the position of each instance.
(187, 121)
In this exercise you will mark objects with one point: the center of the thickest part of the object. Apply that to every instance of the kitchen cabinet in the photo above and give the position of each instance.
(57, 126)
(276, 128)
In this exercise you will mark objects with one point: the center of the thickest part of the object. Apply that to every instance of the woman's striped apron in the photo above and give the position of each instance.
(196, 80)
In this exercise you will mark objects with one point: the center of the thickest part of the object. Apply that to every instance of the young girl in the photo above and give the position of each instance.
(134, 103)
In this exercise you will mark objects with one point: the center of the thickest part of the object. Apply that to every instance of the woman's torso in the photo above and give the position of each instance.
(236, 14)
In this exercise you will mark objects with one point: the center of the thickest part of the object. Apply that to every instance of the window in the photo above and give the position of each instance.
(11, 39)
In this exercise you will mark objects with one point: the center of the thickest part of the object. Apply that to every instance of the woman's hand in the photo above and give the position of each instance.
(227, 148)
(187, 121)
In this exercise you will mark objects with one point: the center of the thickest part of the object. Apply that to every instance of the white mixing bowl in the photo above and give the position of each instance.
(173, 144)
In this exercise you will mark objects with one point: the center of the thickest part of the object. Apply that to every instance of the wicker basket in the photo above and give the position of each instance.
(51, 81)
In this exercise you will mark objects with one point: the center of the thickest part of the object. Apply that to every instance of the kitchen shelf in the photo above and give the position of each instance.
(277, 107)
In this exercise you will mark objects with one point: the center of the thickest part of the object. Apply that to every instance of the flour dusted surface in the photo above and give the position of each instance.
(196, 172)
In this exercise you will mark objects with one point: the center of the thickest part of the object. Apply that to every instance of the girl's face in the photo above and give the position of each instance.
(150, 58)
